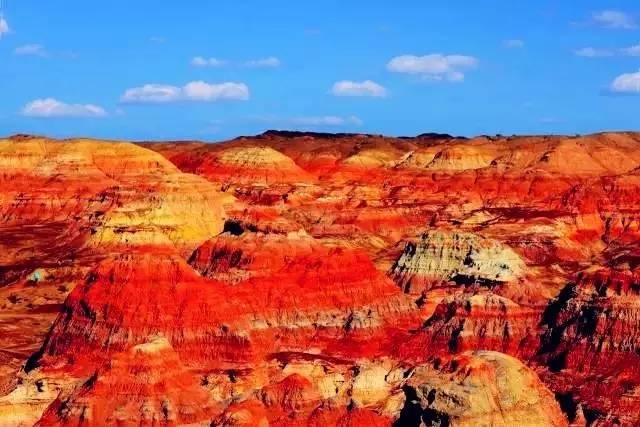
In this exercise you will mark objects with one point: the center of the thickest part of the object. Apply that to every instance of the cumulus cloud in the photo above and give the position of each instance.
(197, 91)
(4, 27)
(50, 107)
(626, 84)
(514, 44)
(270, 62)
(434, 66)
(152, 93)
(614, 19)
(31, 50)
(201, 91)
(199, 61)
(365, 88)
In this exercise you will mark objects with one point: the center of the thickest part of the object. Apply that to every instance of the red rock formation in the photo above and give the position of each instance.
(482, 321)
(308, 298)
(67, 205)
(287, 282)
(308, 279)
(592, 341)
(145, 385)
(461, 258)
(482, 388)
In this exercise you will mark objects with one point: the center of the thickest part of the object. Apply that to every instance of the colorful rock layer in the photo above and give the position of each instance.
(316, 279)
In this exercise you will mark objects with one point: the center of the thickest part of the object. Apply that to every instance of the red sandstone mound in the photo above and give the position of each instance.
(312, 297)
(65, 206)
(335, 291)
(481, 321)
(591, 344)
(257, 165)
(316, 293)
(481, 388)
(146, 385)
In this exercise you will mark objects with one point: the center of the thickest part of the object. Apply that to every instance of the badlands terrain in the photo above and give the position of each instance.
(307, 279)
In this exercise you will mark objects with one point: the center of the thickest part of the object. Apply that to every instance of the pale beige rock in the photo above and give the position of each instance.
(463, 157)
(370, 385)
(487, 389)
(24, 406)
(255, 157)
(442, 255)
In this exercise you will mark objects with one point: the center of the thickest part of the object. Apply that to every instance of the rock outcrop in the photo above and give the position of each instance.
(475, 321)
(591, 330)
(147, 384)
(446, 256)
(479, 389)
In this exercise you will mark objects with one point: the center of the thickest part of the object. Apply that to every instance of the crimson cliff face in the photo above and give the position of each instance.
(308, 279)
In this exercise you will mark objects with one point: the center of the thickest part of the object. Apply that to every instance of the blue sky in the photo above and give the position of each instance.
(212, 70)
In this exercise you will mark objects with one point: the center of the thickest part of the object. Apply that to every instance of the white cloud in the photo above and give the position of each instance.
(365, 88)
(197, 91)
(50, 107)
(270, 62)
(152, 93)
(157, 39)
(201, 91)
(614, 19)
(434, 66)
(4, 27)
(199, 61)
(514, 43)
(626, 83)
(592, 52)
(31, 50)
